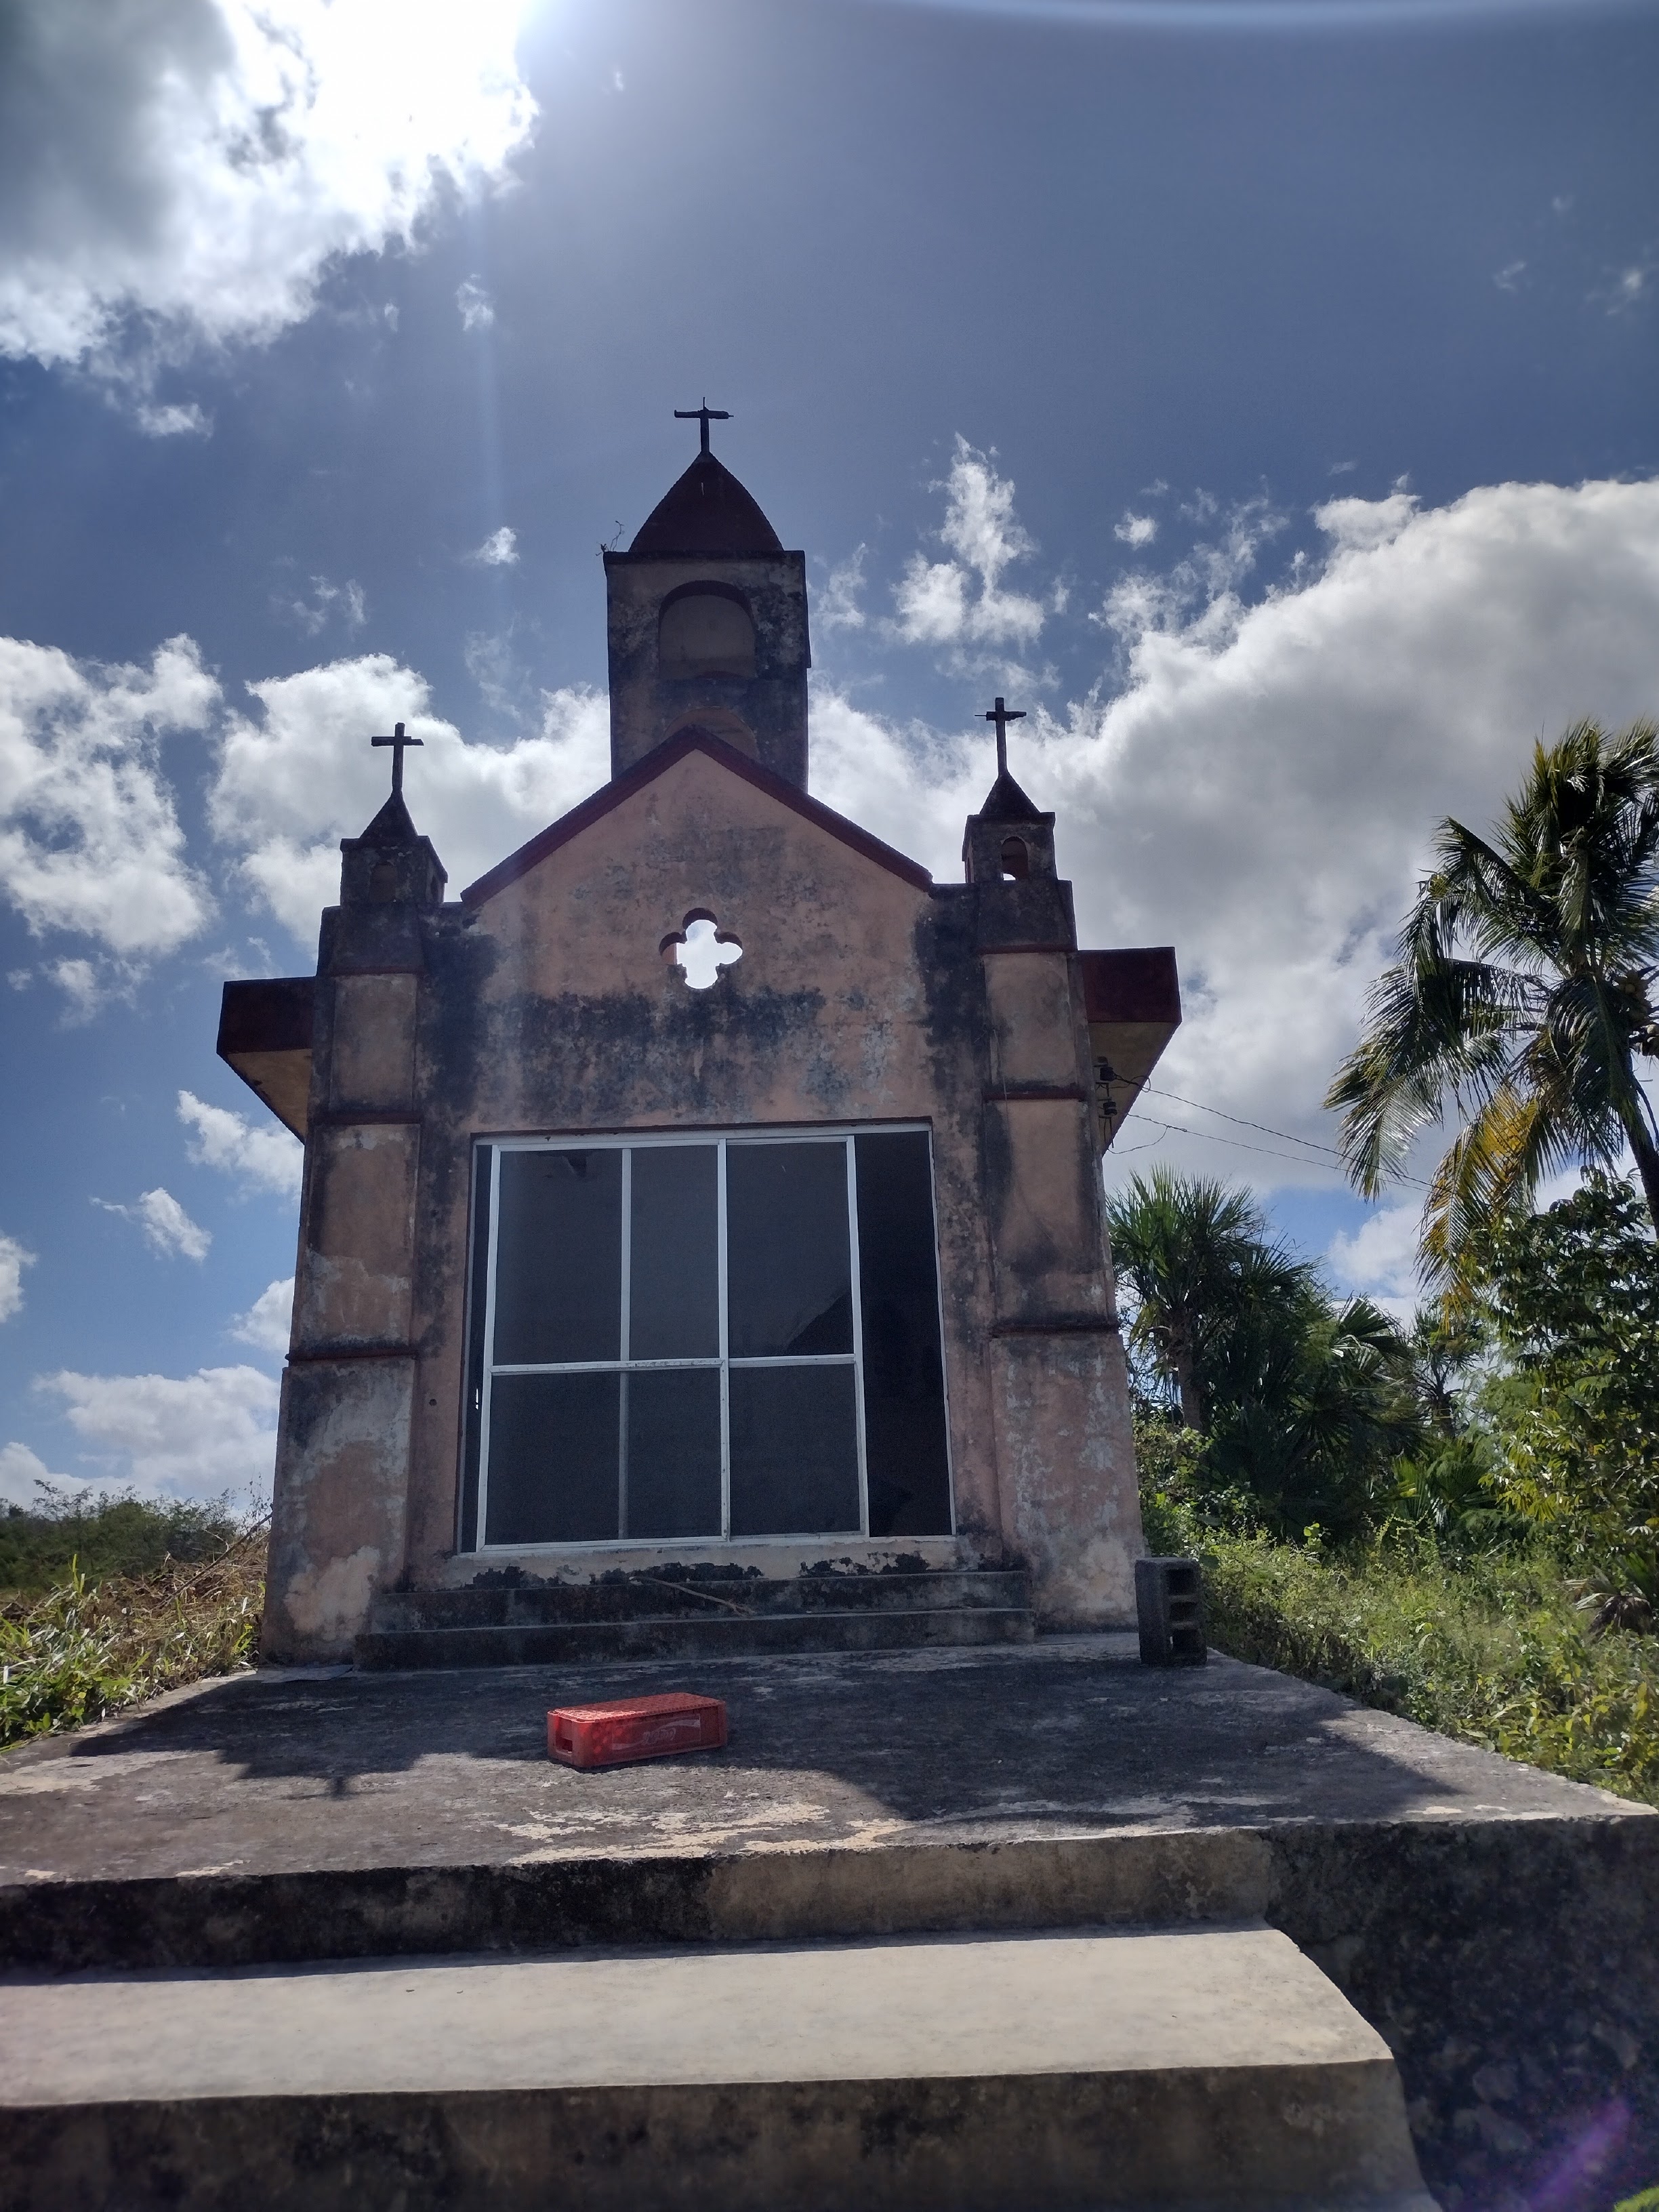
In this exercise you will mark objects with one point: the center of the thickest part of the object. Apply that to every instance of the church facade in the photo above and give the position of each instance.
(706, 1185)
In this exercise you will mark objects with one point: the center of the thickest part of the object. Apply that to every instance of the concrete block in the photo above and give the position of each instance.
(1170, 1612)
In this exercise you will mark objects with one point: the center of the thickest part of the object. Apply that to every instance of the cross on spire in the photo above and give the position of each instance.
(399, 743)
(704, 414)
(1000, 714)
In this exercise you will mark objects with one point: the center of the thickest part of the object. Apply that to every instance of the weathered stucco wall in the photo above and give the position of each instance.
(764, 714)
(547, 1006)
(562, 1014)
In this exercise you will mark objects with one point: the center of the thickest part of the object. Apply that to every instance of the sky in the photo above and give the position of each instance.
(1264, 394)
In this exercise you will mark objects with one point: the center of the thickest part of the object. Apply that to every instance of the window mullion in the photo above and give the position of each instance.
(856, 1290)
(481, 1534)
(627, 1272)
(725, 1343)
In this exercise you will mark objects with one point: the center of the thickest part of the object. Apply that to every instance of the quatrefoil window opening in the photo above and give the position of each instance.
(700, 948)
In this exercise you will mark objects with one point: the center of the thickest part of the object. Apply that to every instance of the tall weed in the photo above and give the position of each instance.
(86, 1648)
(1491, 1648)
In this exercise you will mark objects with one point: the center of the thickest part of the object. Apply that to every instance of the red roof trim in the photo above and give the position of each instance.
(654, 764)
(1133, 984)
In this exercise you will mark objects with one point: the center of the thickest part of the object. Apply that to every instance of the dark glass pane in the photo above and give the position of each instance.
(558, 1258)
(477, 1307)
(553, 1459)
(794, 1457)
(674, 1278)
(674, 1452)
(905, 1460)
(787, 1273)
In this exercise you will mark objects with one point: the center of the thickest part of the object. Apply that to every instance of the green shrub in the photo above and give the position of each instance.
(1492, 1649)
(84, 1650)
(113, 1533)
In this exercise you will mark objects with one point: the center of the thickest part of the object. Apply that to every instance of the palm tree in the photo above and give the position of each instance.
(1196, 1256)
(1301, 1402)
(1523, 996)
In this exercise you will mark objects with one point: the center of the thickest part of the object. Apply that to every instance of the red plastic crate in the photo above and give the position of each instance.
(634, 1728)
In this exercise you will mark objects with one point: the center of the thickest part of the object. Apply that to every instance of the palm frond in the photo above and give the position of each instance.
(1522, 994)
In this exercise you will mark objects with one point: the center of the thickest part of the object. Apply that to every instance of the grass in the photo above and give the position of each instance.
(89, 1647)
(1489, 1648)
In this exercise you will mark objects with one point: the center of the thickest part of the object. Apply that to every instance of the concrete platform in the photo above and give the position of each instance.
(1496, 1926)
(966, 2074)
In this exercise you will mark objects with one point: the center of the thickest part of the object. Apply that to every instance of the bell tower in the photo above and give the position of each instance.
(706, 622)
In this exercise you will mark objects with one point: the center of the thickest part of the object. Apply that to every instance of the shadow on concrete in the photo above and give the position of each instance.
(1068, 1736)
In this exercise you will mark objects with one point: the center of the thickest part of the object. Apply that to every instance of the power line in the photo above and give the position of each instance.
(1242, 1123)
(1215, 1137)
(1261, 1127)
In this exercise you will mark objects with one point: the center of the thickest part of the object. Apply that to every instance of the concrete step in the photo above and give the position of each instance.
(674, 1592)
(688, 1637)
(983, 2073)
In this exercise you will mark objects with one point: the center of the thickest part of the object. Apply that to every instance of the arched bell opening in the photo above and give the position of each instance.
(1016, 860)
(705, 629)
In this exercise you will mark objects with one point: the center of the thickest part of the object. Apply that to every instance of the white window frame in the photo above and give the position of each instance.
(626, 1142)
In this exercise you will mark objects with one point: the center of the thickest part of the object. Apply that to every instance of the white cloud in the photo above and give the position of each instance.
(1510, 277)
(81, 985)
(267, 1324)
(1261, 791)
(298, 774)
(1379, 1259)
(22, 1470)
(89, 837)
(961, 601)
(167, 1228)
(1136, 529)
(13, 1258)
(192, 1436)
(477, 309)
(327, 603)
(260, 1157)
(1200, 592)
(174, 171)
(836, 606)
(1629, 288)
(499, 550)
(173, 419)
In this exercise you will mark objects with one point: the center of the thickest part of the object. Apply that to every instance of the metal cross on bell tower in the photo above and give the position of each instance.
(704, 414)
(1000, 714)
(399, 744)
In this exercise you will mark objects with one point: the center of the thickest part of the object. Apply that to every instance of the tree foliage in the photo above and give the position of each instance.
(1573, 1298)
(112, 1533)
(1522, 1000)
(1303, 1402)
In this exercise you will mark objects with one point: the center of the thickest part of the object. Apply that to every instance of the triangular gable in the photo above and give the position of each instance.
(646, 771)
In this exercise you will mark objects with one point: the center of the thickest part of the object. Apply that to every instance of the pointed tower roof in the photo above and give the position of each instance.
(1006, 802)
(392, 825)
(707, 512)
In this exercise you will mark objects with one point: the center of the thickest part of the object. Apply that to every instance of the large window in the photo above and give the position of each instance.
(709, 1338)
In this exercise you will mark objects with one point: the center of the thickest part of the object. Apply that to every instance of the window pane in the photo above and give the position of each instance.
(905, 1460)
(674, 1282)
(788, 1278)
(794, 1458)
(558, 1258)
(553, 1459)
(674, 1452)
